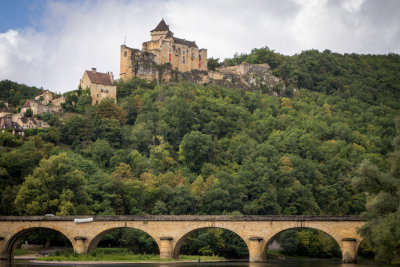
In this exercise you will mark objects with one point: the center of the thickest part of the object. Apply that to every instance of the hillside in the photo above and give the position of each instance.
(16, 94)
(203, 149)
(186, 148)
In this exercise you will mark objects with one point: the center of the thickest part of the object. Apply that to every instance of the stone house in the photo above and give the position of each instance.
(6, 123)
(58, 101)
(38, 108)
(101, 85)
(30, 122)
(5, 112)
(164, 47)
(45, 97)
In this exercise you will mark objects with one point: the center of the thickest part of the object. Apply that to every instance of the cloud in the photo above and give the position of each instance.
(74, 36)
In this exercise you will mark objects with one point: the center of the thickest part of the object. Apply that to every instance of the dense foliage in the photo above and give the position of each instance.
(382, 231)
(16, 94)
(202, 149)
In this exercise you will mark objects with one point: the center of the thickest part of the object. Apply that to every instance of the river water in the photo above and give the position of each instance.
(270, 263)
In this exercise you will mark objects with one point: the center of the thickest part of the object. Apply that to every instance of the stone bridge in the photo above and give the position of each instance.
(169, 232)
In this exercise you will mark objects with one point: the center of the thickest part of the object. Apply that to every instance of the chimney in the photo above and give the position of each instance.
(111, 76)
(93, 70)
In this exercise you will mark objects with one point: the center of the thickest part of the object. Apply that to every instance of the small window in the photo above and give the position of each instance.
(125, 54)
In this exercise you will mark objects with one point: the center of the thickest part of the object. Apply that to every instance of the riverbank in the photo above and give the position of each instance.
(119, 255)
(121, 262)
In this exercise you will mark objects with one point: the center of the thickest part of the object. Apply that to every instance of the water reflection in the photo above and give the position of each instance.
(270, 263)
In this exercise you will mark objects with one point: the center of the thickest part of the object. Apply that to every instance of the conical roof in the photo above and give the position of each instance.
(162, 26)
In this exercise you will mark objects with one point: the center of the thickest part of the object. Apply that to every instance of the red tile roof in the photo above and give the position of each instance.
(27, 104)
(99, 78)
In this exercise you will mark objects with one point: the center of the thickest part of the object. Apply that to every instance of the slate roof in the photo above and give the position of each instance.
(27, 119)
(169, 35)
(99, 78)
(7, 123)
(6, 109)
(162, 26)
(184, 42)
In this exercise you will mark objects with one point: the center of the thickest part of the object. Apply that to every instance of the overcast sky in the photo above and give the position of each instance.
(49, 43)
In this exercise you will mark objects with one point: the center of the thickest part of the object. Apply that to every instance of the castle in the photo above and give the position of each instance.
(183, 55)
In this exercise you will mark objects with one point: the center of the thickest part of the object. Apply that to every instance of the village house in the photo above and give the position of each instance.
(30, 122)
(58, 101)
(5, 112)
(38, 108)
(101, 85)
(7, 124)
(47, 97)
(164, 47)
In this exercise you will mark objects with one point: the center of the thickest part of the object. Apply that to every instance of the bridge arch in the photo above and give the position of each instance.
(17, 234)
(275, 235)
(182, 238)
(98, 236)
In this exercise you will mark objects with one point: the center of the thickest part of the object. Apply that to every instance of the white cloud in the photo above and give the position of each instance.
(78, 35)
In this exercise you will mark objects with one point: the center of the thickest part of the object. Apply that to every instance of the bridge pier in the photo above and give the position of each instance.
(166, 248)
(349, 250)
(256, 250)
(3, 255)
(80, 246)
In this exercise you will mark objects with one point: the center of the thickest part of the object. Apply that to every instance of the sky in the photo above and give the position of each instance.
(50, 43)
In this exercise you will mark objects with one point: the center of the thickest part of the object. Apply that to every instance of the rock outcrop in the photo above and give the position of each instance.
(252, 77)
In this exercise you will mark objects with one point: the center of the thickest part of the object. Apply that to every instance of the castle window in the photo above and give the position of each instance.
(125, 53)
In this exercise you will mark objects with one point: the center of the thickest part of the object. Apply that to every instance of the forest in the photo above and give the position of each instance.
(184, 148)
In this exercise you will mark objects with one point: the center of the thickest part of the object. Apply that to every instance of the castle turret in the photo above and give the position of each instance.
(160, 31)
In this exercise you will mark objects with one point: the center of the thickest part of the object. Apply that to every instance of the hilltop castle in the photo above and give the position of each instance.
(183, 55)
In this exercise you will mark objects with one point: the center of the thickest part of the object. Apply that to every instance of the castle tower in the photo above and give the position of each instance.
(163, 48)
(161, 31)
(125, 63)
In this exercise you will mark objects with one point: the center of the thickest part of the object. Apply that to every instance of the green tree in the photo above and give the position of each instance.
(101, 152)
(213, 63)
(110, 130)
(54, 187)
(78, 131)
(107, 109)
(28, 113)
(383, 202)
(195, 149)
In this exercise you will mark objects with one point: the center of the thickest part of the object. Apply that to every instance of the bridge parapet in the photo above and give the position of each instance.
(188, 218)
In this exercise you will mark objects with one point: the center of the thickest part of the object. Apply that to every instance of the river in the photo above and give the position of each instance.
(270, 263)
